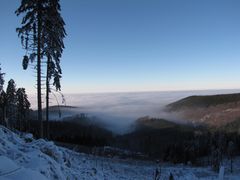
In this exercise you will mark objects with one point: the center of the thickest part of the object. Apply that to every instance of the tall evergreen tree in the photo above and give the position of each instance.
(11, 101)
(23, 106)
(31, 35)
(40, 34)
(3, 105)
(2, 98)
(53, 50)
(1, 79)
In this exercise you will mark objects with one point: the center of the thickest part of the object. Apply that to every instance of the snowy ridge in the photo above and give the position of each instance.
(24, 158)
(38, 157)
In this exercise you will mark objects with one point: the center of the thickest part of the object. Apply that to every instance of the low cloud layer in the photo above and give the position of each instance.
(120, 110)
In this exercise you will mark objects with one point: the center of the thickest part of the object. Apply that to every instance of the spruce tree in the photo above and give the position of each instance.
(1, 79)
(3, 105)
(23, 106)
(11, 101)
(2, 98)
(53, 50)
(41, 35)
(31, 35)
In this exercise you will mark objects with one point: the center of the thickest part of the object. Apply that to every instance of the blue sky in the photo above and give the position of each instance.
(137, 45)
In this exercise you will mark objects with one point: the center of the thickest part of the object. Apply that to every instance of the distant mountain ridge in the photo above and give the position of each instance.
(204, 101)
(211, 110)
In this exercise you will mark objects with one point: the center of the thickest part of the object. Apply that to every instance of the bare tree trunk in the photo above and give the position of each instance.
(47, 98)
(20, 124)
(3, 116)
(39, 95)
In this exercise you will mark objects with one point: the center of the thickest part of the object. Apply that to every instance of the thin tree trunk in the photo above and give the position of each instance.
(39, 95)
(47, 99)
(20, 124)
(3, 116)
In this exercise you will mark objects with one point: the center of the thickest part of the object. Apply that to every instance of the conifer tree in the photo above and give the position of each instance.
(42, 34)
(1, 79)
(3, 105)
(53, 51)
(2, 98)
(31, 35)
(11, 101)
(23, 106)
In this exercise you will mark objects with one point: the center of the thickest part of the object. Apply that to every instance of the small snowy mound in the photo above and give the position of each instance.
(25, 158)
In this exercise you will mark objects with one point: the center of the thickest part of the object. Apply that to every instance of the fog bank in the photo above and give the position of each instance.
(120, 110)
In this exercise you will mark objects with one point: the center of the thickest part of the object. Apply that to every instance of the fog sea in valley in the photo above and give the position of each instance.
(119, 110)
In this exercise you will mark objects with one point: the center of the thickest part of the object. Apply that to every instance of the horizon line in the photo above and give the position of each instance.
(148, 91)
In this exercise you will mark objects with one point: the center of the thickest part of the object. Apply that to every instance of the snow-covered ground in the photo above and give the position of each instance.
(24, 158)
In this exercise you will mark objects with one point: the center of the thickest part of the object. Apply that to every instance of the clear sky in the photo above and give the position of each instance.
(137, 45)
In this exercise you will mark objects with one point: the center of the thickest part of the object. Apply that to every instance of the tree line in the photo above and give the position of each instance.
(14, 105)
(195, 145)
(41, 32)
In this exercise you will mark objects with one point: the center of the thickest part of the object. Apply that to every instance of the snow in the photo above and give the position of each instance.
(24, 158)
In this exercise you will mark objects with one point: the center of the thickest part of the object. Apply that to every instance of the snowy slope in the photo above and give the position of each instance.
(23, 158)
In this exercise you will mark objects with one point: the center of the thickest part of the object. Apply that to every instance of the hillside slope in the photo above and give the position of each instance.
(204, 101)
(24, 158)
(215, 110)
